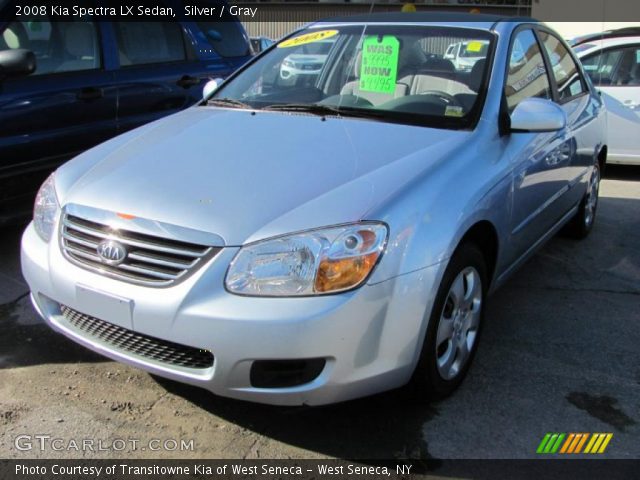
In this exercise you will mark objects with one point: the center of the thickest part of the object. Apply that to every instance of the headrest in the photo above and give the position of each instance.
(15, 36)
(441, 65)
(475, 77)
(79, 39)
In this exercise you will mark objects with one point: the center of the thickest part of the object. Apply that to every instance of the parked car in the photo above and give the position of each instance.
(612, 60)
(350, 246)
(617, 33)
(92, 81)
(464, 55)
(307, 62)
(260, 44)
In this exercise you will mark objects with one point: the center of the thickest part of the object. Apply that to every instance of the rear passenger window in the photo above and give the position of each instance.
(565, 70)
(615, 67)
(142, 43)
(527, 74)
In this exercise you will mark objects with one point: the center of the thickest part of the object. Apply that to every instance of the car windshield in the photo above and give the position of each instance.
(395, 73)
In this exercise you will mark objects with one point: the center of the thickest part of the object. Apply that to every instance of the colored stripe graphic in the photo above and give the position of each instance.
(573, 443)
(591, 442)
(581, 443)
(567, 443)
(603, 447)
(543, 443)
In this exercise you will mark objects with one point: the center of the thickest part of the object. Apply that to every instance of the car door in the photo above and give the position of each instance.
(571, 91)
(66, 106)
(616, 73)
(538, 159)
(158, 72)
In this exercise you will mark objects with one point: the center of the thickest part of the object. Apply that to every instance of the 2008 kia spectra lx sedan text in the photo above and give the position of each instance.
(311, 242)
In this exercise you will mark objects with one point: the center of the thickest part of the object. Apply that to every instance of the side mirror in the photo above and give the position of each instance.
(210, 87)
(537, 115)
(17, 62)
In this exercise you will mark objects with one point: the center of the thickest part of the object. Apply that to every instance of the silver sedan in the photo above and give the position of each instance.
(314, 241)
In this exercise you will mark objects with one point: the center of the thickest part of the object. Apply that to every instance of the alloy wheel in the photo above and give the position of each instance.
(459, 323)
(591, 202)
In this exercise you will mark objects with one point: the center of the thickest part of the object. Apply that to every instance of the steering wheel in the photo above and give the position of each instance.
(445, 97)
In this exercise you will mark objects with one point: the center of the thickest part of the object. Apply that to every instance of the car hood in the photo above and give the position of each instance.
(249, 175)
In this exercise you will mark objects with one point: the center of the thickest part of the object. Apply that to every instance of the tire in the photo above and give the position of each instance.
(442, 367)
(582, 222)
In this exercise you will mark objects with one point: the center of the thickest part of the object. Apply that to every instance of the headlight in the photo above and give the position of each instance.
(309, 263)
(45, 210)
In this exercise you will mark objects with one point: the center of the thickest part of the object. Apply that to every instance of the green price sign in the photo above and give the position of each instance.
(379, 68)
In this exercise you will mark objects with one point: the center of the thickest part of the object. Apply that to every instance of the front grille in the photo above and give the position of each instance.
(128, 341)
(150, 260)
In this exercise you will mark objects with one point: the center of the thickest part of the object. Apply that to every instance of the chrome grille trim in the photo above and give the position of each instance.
(151, 260)
(138, 344)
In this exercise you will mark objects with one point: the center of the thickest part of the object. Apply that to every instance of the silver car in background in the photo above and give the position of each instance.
(317, 241)
(612, 60)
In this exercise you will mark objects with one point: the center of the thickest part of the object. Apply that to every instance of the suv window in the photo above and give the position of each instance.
(58, 46)
(565, 70)
(226, 38)
(141, 43)
(614, 67)
(527, 75)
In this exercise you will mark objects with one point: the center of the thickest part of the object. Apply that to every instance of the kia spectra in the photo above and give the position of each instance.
(330, 236)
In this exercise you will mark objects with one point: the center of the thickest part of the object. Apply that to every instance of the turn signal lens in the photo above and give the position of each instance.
(344, 273)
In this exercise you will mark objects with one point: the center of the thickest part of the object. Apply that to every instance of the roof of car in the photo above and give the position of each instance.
(619, 33)
(583, 49)
(478, 20)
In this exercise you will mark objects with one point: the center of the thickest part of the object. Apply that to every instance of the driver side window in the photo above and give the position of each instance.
(58, 46)
(527, 75)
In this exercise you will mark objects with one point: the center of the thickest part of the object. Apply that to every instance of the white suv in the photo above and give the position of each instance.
(612, 60)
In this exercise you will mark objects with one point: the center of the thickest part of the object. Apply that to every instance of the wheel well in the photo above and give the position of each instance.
(602, 159)
(484, 235)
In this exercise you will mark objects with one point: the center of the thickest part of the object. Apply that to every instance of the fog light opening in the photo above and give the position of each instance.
(285, 373)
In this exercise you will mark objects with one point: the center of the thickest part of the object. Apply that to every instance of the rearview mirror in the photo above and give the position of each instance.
(537, 115)
(210, 87)
(17, 62)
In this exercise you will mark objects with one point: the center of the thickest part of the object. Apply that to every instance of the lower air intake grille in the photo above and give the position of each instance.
(128, 341)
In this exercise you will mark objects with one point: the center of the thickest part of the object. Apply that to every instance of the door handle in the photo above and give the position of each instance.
(631, 104)
(90, 93)
(188, 81)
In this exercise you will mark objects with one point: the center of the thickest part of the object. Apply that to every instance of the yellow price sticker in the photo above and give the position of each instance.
(308, 38)
(474, 46)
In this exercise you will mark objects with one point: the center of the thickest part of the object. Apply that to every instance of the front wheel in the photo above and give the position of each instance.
(582, 223)
(454, 325)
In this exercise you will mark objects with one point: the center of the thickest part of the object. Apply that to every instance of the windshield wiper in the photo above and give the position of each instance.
(228, 102)
(322, 110)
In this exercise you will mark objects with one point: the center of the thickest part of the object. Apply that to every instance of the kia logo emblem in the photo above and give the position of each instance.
(111, 252)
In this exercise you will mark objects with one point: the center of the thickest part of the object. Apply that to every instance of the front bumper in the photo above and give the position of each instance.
(370, 337)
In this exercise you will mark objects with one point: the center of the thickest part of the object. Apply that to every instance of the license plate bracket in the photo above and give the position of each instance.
(105, 306)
